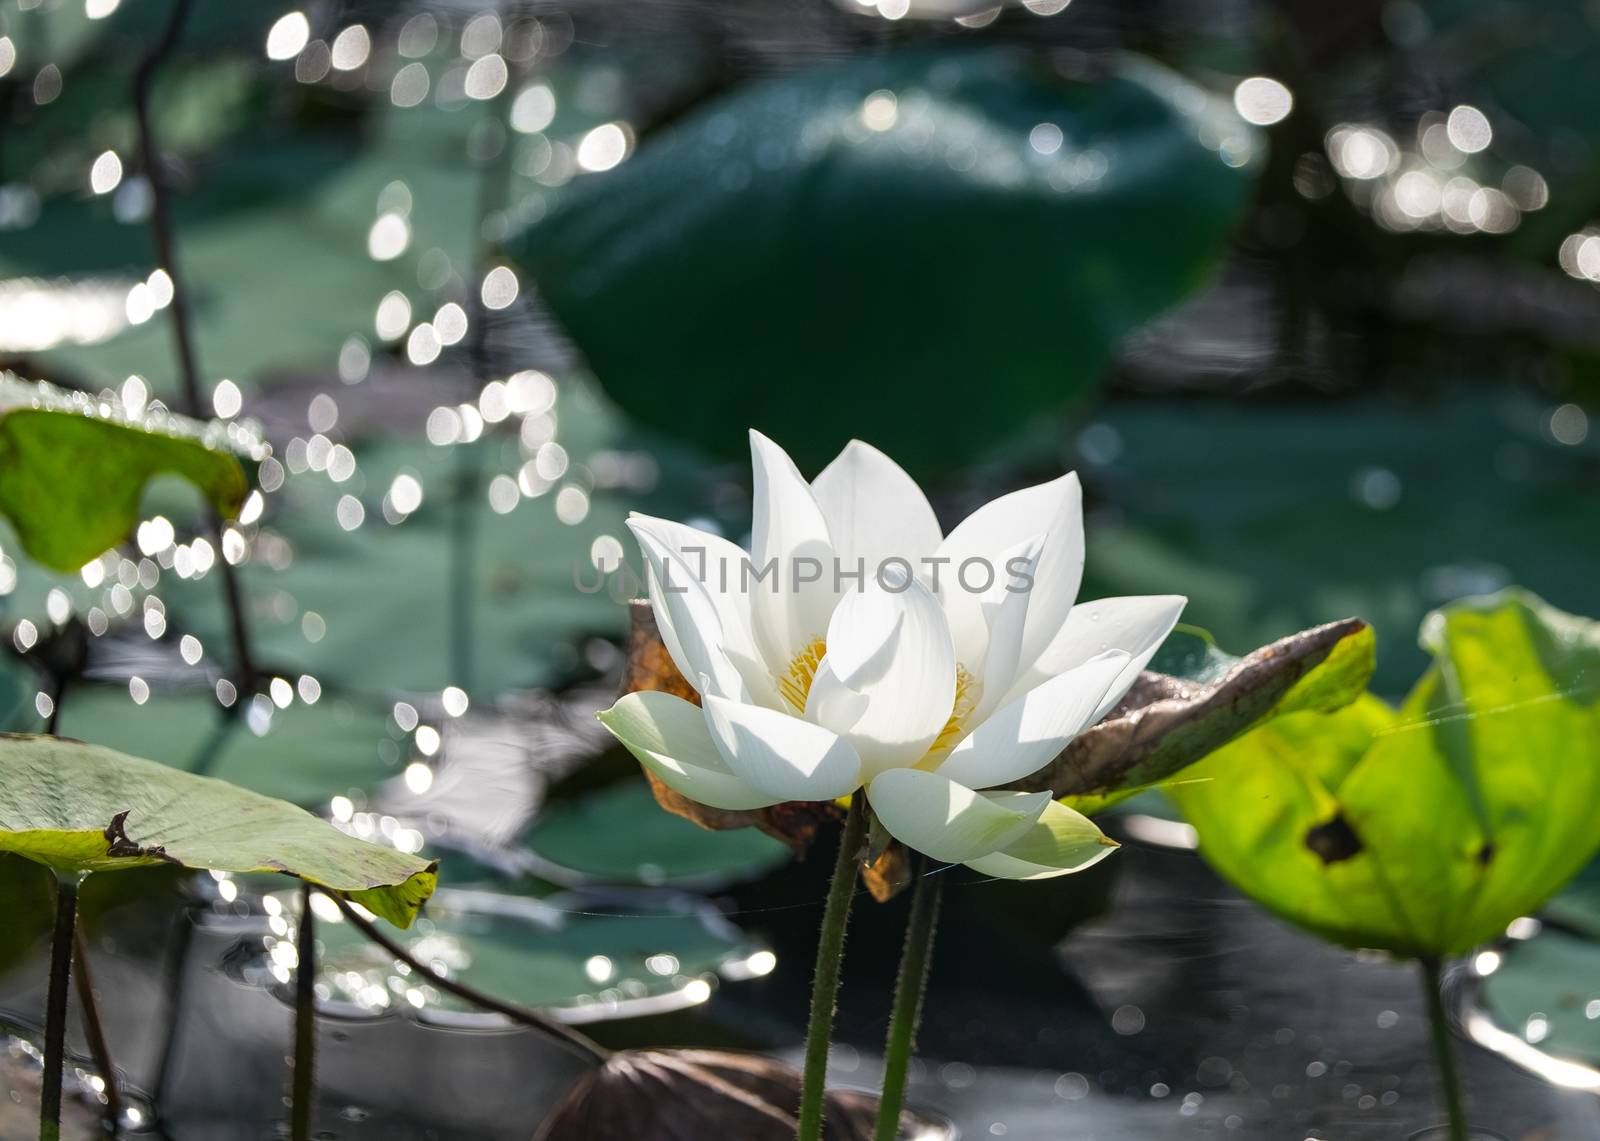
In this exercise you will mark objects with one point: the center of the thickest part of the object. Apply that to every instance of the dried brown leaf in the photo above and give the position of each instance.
(693, 1095)
(1166, 723)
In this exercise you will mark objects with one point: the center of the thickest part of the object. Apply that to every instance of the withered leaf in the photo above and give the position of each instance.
(1165, 723)
(691, 1095)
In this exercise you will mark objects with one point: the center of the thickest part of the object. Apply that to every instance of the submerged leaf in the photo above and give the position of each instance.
(1422, 831)
(73, 468)
(689, 1095)
(81, 808)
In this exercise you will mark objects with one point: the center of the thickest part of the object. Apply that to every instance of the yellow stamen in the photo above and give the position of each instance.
(795, 684)
(967, 693)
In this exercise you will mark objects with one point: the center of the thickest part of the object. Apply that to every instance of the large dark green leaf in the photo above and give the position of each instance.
(82, 808)
(73, 468)
(858, 248)
(1423, 831)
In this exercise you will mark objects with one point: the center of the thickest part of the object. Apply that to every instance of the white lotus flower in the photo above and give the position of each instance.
(815, 683)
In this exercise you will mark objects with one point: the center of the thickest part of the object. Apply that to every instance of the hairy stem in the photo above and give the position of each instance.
(909, 989)
(830, 956)
(303, 1092)
(182, 335)
(478, 998)
(1444, 1053)
(55, 1015)
(95, 1032)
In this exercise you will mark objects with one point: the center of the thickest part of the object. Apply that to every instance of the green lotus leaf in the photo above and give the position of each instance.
(73, 468)
(968, 233)
(82, 808)
(1424, 830)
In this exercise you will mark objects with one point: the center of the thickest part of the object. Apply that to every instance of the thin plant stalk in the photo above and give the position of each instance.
(174, 987)
(825, 986)
(182, 336)
(494, 188)
(519, 1014)
(1444, 1052)
(909, 989)
(303, 1090)
(55, 1015)
(95, 1032)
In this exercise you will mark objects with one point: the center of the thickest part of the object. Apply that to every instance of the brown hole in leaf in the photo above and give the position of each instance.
(1334, 841)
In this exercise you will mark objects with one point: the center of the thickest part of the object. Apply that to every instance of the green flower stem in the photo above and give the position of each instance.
(305, 1022)
(1449, 1079)
(95, 1032)
(55, 1015)
(830, 955)
(909, 990)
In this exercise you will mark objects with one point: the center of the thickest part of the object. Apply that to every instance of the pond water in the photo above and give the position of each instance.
(1185, 1013)
(1355, 412)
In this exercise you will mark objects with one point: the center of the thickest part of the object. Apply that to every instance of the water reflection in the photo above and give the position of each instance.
(580, 957)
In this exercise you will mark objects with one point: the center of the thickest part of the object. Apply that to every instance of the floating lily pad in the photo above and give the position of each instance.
(302, 754)
(82, 808)
(891, 232)
(1422, 831)
(1546, 991)
(583, 957)
(618, 834)
(73, 468)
